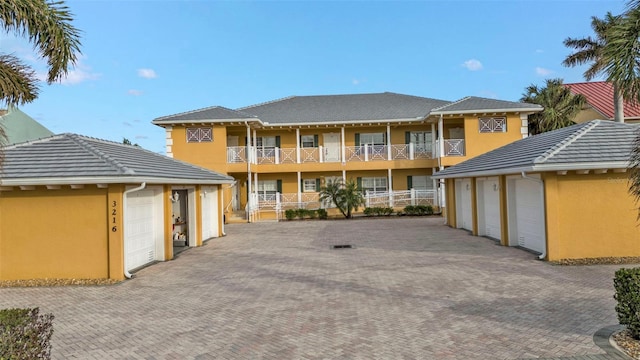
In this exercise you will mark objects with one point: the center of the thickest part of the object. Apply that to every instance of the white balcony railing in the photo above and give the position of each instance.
(274, 155)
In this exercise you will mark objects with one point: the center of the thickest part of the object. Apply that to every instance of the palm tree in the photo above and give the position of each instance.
(589, 50)
(560, 106)
(634, 174)
(346, 196)
(47, 25)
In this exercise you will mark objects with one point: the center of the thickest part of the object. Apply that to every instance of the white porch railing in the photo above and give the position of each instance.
(238, 154)
(452, 147)
(400, 198)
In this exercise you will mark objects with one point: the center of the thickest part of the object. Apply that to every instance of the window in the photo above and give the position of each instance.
(267, 190)
(309, 141)
(372, 139)
(493, 124)
(200, 134)
(374, 184)
(266, 142)
(421, 140)
(420, 183)
(309, 185)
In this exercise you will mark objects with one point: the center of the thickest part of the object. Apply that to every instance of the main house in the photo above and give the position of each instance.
(281, 152)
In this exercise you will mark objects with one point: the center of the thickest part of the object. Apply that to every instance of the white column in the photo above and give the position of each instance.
(321, 153)
(412, 151)
(433, 140)
(255, 148)
(436, 192)
(413, 196)
(249, 187)
(298, 146)
(390, 187)
(366, 152)
(343, 149)
(344, 176)
(440, 137)
(299, 188)
(389, 142)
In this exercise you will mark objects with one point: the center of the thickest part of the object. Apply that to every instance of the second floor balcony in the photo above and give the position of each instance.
(362, 153)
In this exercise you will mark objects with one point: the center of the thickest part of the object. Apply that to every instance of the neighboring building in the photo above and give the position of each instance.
(19, 127)
(281, 152)
(600, 103)
(77, 207)
(563, 193)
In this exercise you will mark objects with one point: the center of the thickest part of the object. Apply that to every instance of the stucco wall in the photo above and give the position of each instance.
(54, 233)
(590, 216)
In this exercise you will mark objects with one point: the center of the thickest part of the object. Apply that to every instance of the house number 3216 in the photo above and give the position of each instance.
(114, 212)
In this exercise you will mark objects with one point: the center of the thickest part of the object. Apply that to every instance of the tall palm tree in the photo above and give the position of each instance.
(560, 106)
(589, 50)
(634, 171)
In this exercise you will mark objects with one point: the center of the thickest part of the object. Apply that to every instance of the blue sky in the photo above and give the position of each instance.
(145, 59)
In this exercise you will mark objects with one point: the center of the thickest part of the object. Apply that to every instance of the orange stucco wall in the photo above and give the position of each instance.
(54, 234)
(211, 155)
(590, 216)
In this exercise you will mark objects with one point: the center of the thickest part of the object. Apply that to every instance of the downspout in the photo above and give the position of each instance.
(124, 206)
(539, 181)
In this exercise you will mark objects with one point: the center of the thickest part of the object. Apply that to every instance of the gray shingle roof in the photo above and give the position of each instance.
(595, 144)
(343, 108)
(207, 114)
(474, 103)
(76, 159)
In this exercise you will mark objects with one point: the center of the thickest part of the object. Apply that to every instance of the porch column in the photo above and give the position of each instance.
(297, 145)
(440, 137)
(390, 186)
(388, 142)
(433, 140)
(299, 188)
(436, 195)
(249, 188)
(343, 149)
(255, 147)
(344, 176)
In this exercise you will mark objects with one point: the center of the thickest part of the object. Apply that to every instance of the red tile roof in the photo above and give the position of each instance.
(599, 95)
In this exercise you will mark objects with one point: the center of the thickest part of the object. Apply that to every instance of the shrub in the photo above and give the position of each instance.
(627, 292)
(25, 334)
(290, 214)
(368, 211)
(301, 213)
(418, 210)
(322, 213)
(387, 211)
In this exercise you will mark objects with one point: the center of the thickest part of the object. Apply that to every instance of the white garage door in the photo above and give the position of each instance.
(489, 208)
(209, 212)
(463, 204)
(530, 226)
(140, 231)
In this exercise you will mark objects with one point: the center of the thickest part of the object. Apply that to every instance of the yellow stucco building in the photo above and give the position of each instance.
(563, 194)
(84, 208)
(281, 152)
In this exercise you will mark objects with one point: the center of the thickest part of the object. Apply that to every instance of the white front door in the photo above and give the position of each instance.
(463, 204)
(331, 147)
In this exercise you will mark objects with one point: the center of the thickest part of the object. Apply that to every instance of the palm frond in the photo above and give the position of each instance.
(18, 82)
(634, 171)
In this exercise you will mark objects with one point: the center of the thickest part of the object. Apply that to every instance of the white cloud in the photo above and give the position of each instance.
(134, 92)
(472, 65)
(147, 73)
(539, 51)
(355, 81)
(78, 75)
(542, 71)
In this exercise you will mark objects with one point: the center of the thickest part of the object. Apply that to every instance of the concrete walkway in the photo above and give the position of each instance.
(411, 289)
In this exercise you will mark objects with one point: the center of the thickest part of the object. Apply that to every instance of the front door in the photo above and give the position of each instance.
(331, 147)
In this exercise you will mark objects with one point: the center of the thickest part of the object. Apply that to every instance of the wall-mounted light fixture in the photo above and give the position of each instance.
(175, 197)
(496, 187)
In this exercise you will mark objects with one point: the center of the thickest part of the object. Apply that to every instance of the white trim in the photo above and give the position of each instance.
(108, 180)
(614, 165)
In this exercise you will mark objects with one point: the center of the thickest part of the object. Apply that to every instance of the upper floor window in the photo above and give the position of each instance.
(420, 139)
(370, 139)
(493, 124)
(309, 141)
(199, 134)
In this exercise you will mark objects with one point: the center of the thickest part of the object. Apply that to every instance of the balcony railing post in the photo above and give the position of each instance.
(320, 153)
(277, 155)
(366, 152)
(412, 151)
(413, 196)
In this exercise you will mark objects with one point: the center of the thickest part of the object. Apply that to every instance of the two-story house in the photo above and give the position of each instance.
(282, 152)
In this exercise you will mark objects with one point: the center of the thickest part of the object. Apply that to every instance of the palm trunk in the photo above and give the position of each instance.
(618, 105)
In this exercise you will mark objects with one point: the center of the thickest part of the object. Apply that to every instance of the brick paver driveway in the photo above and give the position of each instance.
(411, 289)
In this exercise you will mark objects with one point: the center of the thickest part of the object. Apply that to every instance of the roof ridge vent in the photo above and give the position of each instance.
(566, 142)
(451, 103)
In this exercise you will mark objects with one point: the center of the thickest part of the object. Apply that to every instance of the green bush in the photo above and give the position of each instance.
(290, 214)
(419, 210)
(368, 211)
(627, 292)
(378, 211)
(322, 213)
(25, 334)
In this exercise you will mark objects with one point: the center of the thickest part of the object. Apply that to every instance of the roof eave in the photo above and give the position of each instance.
(475, 111)
(417, 119)
(42, 181)
(539, 168)
(203, 121)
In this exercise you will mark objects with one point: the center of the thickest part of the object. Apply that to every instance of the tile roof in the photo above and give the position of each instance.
(76, 159)
(474, 103)
(207, 114)
(343, 108)
(599, 95)
(595, 144)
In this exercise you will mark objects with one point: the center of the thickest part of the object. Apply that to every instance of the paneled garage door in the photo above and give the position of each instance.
(489, 208)
(209, 212)
(530, 226)
(463, 204)
(139, 229)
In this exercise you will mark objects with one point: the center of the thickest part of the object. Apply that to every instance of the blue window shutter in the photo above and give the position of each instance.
(317, 184)
(357, 139)
(359, 182)
(407, 137)
(278, 141)
(409, 182)
(279, 185)
(315, 140)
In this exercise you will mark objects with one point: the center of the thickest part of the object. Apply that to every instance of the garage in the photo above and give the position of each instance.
(143, 237)
(526, 209)
(209, 212)
(489, 208)
(463, 204)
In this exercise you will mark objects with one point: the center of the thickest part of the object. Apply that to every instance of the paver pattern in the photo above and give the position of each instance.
(411, 289)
